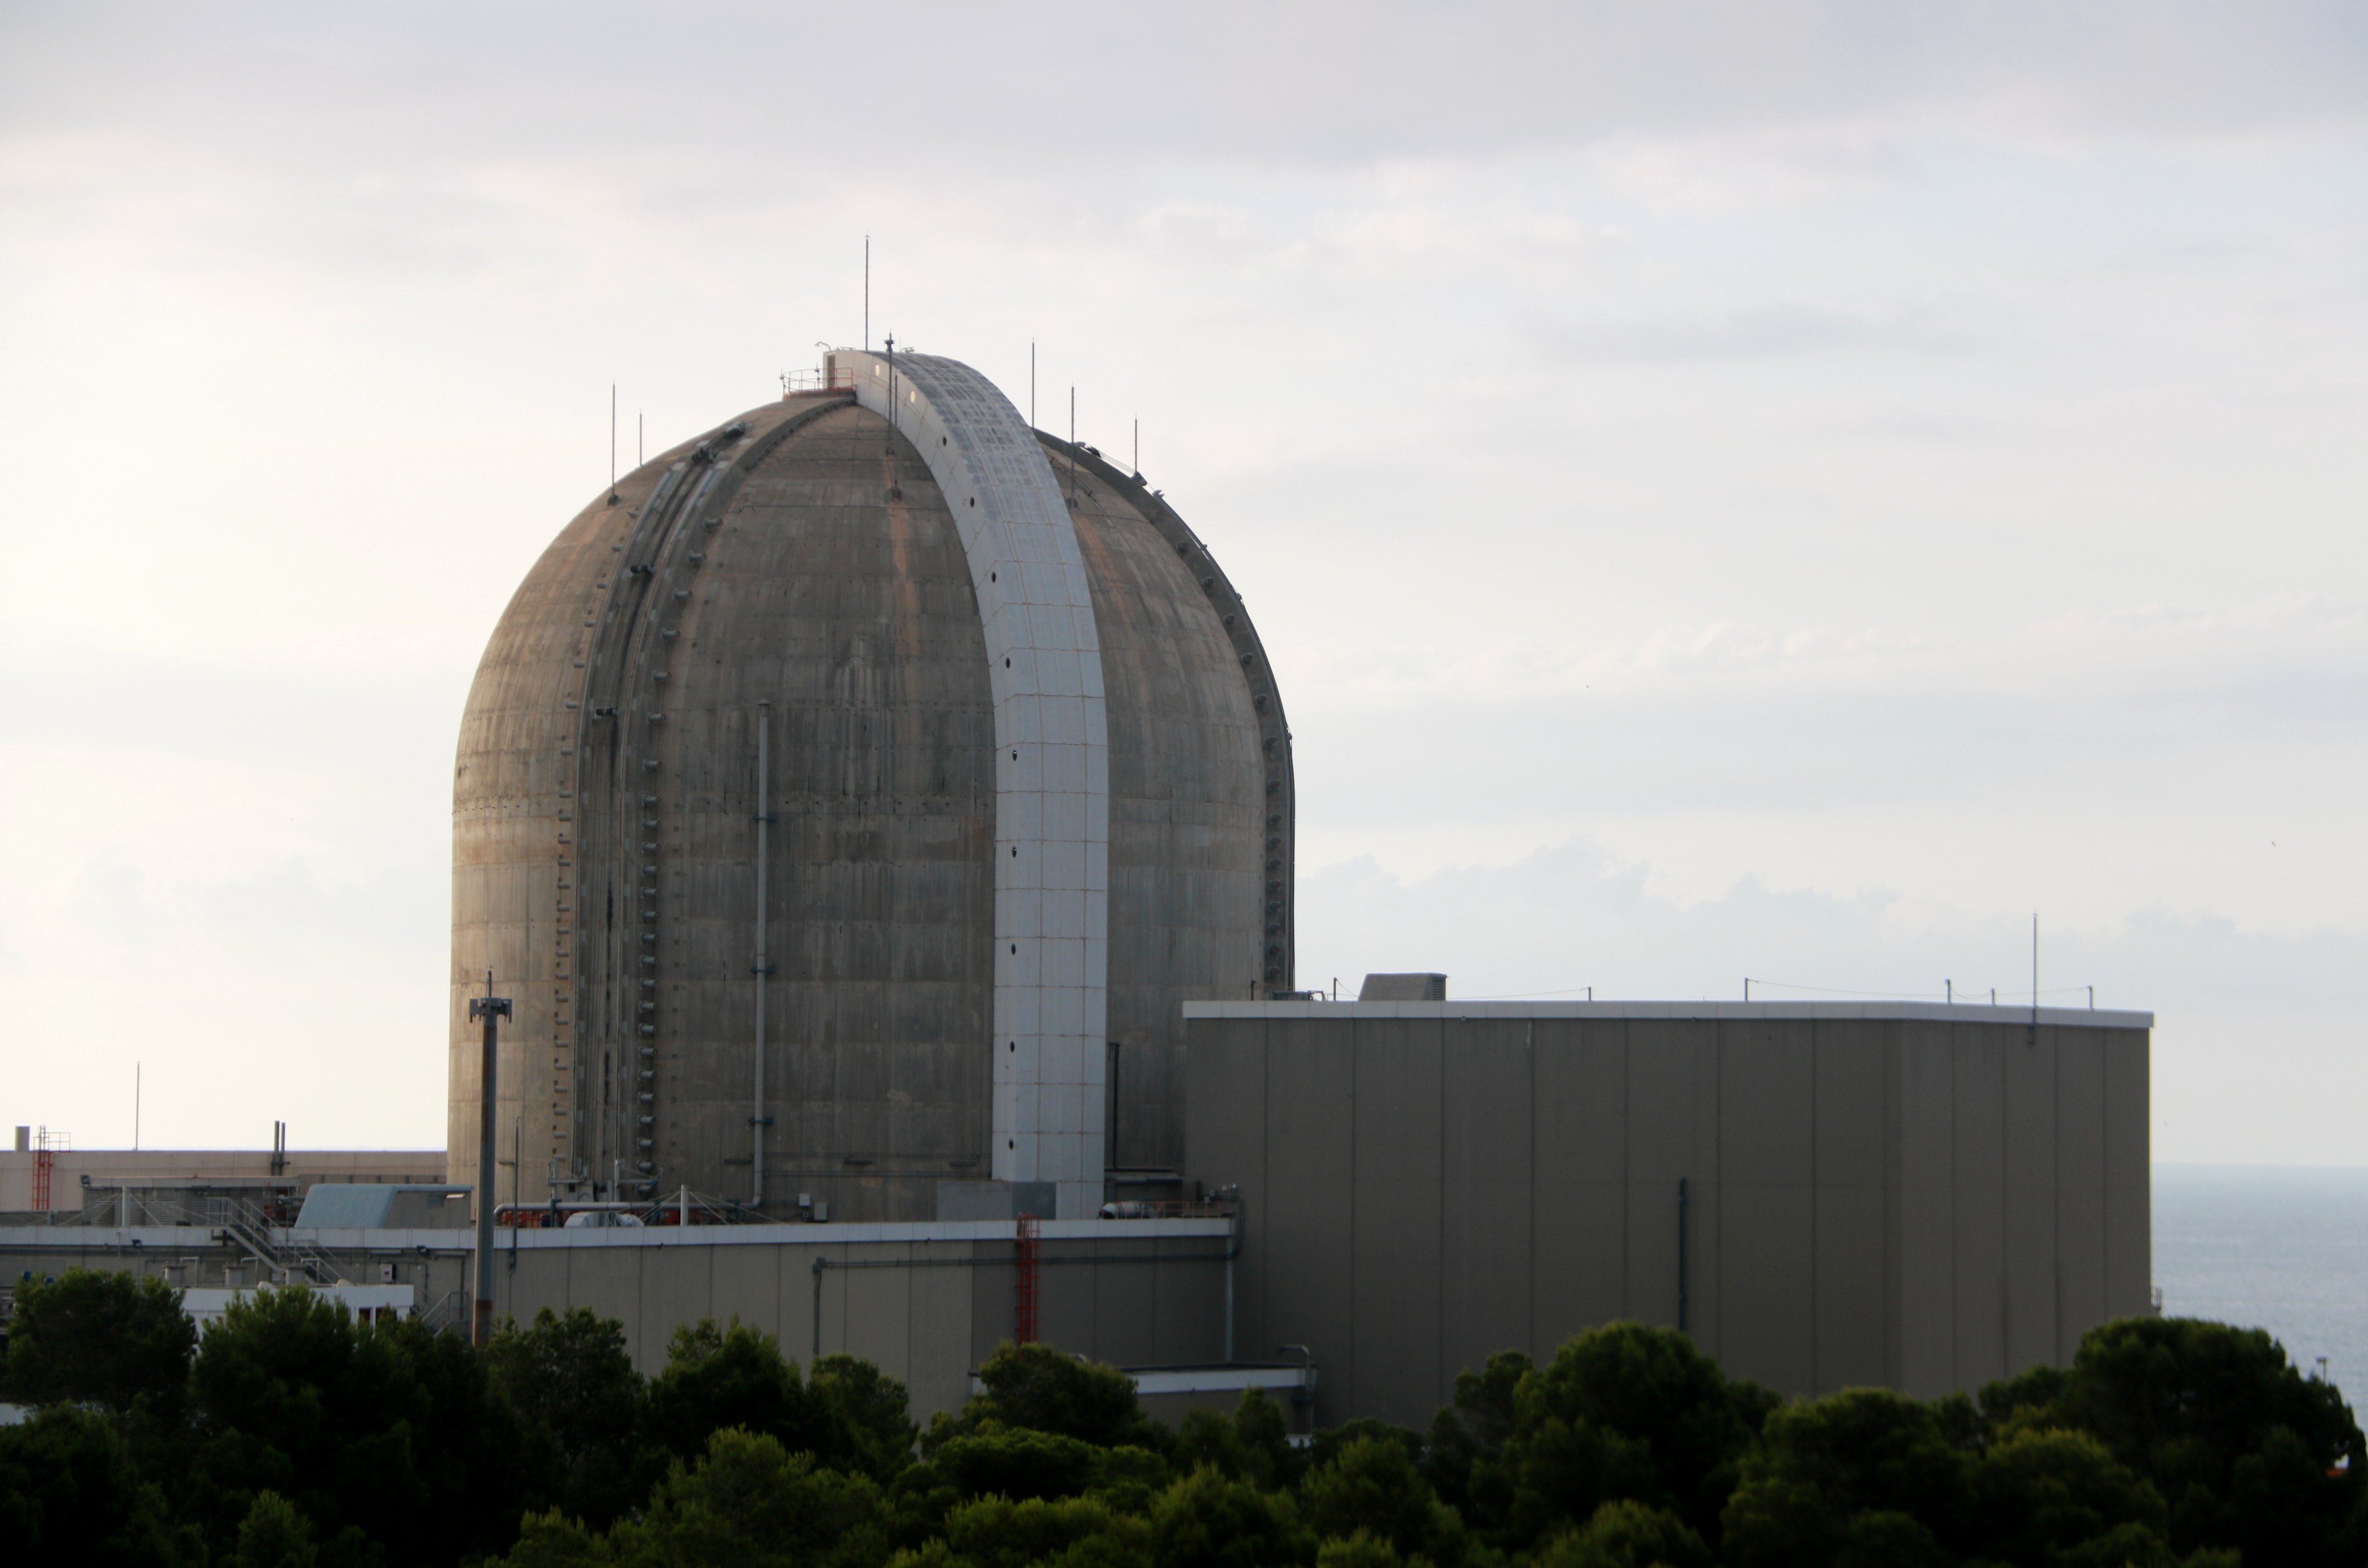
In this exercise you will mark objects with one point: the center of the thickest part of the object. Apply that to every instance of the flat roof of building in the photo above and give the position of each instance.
(1876, 1012)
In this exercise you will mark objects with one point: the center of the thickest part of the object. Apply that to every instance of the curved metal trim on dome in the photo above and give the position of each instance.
(1051, 803)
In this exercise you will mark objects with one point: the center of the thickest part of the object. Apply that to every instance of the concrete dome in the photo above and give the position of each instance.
(1025, 788)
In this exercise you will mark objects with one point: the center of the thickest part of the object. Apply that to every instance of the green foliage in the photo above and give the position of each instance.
(101, 1337)
(298, 1438)
(1207, 1521)
(995, 1532)
(1860, 1470)
(274, 1535)
(71, 1492)
(2040, 1497)
(1372, 1485)
(749, 1502)
(1006, 1464)
(1253, 1443)
(551, 1539)
(734, 1376)
(871, 1407)
(1046, 1389)
(1132, 1480)
(2238, 1443)
(1627, 1535)
(1332, 1439)
(1362, 1549)
(389, 1439)
(1265, 1435)
(1473, 1428)
(574, 1392)
(1625, 1411)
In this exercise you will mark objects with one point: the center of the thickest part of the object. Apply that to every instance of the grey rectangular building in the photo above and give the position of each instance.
(927, 1302)
(1824, 1195)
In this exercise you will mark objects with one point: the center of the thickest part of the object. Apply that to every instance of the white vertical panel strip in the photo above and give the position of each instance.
(1051, 803)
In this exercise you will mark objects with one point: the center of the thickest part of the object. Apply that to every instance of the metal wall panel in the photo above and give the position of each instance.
(1224, 1077)
(1066, 1302)
(1579, 1137)
(610, 1282)
(1395, 1264)
(2080, 1173)
(1487, 1158)
(1851, 1332)
(1704, 1260)
(2129, 1197)
(1927, 1209)
(2032, 1314)
(1766, 1259)
(1854, 1258)
(1190, 1308)
(1766, 1094)
(747, 1285)
(1767, 1284)
(994, 1311)
(1125, 1299)
(1979, 1059)
(678, 1286)
(1311, 1201)
(937, 1361)
(1666, 1093)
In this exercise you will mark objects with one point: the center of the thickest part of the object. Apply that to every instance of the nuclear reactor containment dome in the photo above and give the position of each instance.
(850, 799)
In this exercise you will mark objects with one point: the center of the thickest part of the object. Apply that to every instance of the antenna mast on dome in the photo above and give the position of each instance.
(867, 293)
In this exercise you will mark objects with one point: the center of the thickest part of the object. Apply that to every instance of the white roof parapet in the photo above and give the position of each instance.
(1052, 732)
(1921, 1012)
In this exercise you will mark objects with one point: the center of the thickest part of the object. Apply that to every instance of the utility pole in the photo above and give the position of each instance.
(490, 1008)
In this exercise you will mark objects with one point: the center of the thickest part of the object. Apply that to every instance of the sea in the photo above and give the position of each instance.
(2281, 1247)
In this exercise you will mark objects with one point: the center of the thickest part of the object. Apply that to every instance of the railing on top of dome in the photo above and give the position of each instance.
(816, 383)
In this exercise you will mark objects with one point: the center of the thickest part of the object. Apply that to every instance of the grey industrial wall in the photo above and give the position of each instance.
(1916, 1197)
(926, 1302)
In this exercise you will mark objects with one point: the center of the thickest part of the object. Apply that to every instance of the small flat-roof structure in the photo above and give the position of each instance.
(360, 1207)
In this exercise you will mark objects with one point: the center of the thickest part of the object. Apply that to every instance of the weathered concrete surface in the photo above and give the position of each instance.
(605, 834)
(1922, 1198)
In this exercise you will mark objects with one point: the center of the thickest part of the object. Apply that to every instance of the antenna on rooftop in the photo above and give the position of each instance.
(612, 440)
(867, 293)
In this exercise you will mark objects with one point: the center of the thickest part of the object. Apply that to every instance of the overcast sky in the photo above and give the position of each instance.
(1783, 491)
